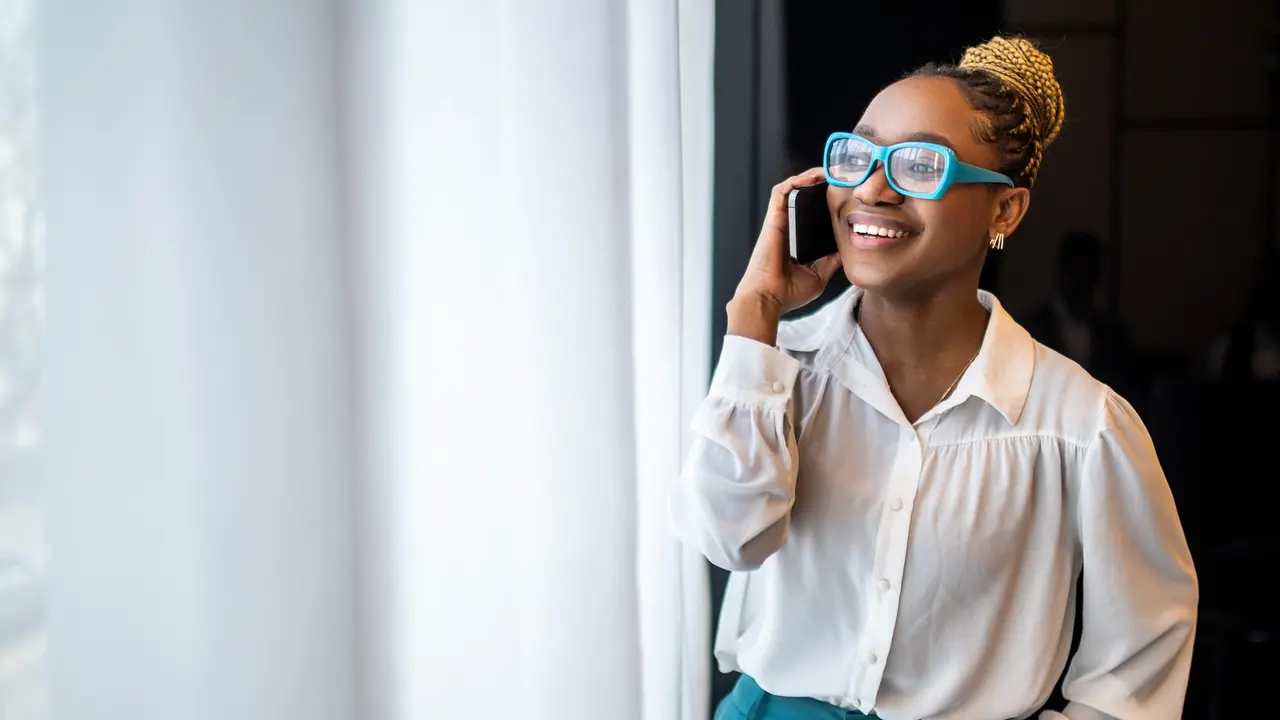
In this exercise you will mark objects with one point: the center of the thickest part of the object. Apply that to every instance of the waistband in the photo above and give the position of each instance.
(757, 704)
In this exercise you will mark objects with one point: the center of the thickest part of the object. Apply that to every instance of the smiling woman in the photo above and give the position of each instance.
(904, 483)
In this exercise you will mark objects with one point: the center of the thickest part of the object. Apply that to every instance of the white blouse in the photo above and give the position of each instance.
(928, 569)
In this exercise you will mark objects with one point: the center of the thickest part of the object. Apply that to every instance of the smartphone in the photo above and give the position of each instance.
(812, 236)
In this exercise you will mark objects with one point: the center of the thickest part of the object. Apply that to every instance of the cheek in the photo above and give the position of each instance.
(954, 221)
(837, 199)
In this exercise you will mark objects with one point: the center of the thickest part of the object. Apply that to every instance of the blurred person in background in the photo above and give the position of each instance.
(1250, 351)
(905, 483)
(1070, 321)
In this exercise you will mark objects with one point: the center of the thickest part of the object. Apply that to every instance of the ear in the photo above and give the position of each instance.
(1010, 207)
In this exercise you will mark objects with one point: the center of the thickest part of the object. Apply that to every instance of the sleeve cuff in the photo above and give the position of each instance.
(752, 372)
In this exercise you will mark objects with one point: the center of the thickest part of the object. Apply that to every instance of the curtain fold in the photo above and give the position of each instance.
(670, 49)
(198, 456)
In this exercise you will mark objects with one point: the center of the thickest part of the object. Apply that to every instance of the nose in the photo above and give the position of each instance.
(876, 190)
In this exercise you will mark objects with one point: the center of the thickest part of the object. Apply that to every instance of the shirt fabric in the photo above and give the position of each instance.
(928, 569)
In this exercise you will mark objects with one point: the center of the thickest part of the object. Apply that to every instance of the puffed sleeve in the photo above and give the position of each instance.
(1140, 589)
(732, 501)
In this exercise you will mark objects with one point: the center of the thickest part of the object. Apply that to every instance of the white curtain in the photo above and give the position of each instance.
(23, 546)
(671, 155)
(374, 333)
(198, 407)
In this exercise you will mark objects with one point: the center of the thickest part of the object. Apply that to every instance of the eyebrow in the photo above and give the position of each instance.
(869, 133)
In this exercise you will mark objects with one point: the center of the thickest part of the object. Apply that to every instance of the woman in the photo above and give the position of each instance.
(908, 485)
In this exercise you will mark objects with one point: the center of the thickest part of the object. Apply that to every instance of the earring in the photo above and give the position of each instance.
(997, 242)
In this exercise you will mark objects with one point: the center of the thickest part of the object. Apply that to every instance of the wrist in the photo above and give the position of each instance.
(754, 315)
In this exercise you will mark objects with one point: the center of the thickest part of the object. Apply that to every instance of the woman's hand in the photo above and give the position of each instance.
(774, 285)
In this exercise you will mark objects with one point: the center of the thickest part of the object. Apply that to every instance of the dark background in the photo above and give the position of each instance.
(1168, 160)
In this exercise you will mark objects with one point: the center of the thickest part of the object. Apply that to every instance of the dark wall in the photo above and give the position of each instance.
(1142, 79)
(840, 54)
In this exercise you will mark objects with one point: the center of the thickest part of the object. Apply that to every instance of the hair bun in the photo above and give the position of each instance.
(1029, 74)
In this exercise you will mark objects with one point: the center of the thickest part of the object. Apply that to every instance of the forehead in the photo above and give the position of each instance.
(913, 107)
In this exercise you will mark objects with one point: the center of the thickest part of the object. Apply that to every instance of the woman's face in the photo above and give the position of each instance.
(946, 238)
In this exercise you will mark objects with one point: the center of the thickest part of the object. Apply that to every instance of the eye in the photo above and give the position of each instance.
(922, 168)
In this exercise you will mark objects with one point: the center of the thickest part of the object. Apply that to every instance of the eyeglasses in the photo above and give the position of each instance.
(915, 169)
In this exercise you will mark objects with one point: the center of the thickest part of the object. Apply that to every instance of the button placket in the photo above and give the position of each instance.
(905, 483)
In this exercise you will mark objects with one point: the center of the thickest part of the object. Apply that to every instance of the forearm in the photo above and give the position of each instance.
(754, 316)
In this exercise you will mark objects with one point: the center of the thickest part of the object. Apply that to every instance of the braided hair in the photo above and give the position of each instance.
(1011, 81)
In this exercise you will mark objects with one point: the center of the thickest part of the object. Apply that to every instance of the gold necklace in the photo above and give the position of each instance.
(857, 317)
(955, 382)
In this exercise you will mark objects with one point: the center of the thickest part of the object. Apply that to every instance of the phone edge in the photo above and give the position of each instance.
(791, 221)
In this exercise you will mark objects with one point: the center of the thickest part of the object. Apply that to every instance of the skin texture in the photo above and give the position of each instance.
(920, 310)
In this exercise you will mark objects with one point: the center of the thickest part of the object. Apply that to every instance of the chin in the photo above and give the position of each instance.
(877, 277)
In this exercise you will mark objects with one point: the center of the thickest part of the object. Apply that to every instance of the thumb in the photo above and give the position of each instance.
(827, 266)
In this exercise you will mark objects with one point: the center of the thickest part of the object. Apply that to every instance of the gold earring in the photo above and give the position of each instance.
(997, 242)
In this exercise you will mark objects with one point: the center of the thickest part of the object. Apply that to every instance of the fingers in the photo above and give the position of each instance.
(773, 236)
(778, 198)
(820, 274)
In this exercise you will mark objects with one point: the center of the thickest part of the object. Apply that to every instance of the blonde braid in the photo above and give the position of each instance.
(1027, 75)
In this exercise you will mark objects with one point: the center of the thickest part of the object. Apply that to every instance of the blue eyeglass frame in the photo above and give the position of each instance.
(956, 171)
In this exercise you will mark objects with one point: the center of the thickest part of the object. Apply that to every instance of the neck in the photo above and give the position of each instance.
(923, 335)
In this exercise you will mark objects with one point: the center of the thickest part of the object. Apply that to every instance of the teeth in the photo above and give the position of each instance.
(873, 230)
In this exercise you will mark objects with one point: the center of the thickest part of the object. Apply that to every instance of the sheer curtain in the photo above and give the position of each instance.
(671, 159)
(198, 405)
(23, 550)
(375, 330)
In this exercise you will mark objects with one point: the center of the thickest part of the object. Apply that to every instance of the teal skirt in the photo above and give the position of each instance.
(748, 701)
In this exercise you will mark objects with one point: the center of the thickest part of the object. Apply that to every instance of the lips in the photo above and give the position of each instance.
(874, 232)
